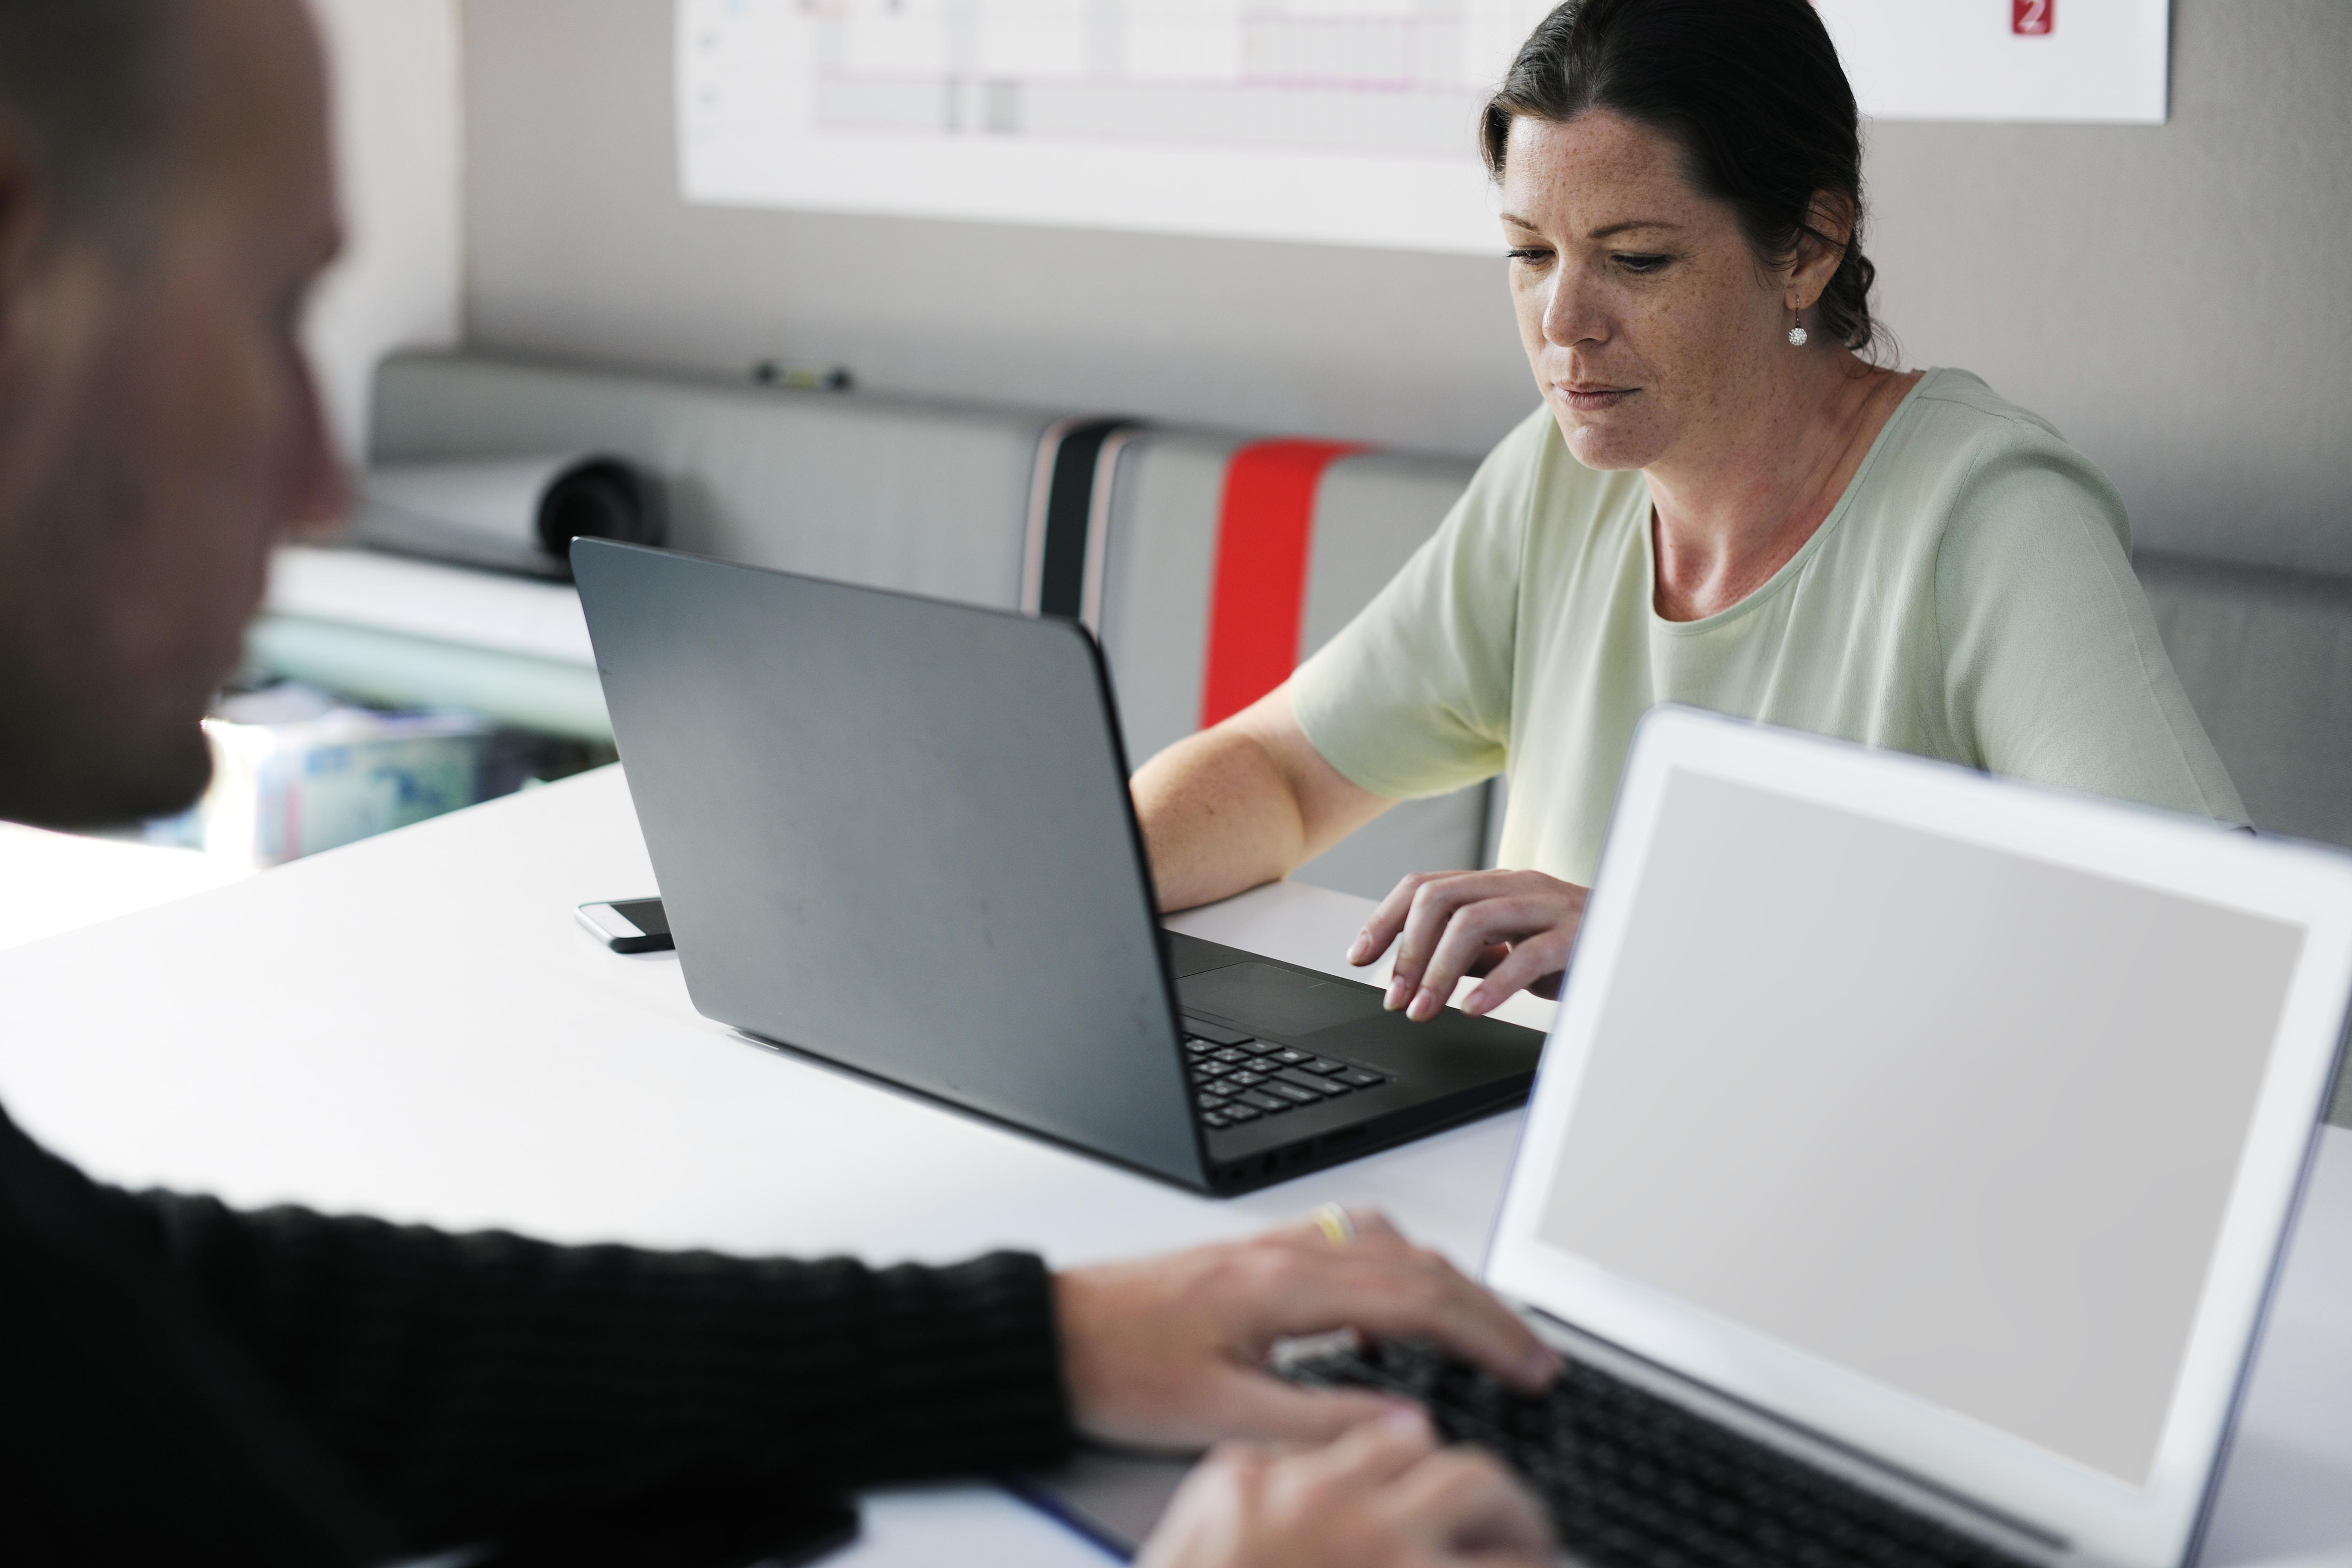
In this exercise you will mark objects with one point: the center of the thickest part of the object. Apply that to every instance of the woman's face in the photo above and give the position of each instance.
(1653, 330)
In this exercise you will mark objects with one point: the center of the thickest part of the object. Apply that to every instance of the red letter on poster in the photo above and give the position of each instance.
(2032, 19)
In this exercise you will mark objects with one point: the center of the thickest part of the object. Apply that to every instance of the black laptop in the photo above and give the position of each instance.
(895, 834)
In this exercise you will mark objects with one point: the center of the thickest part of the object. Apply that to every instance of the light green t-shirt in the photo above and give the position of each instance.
(1970, 597)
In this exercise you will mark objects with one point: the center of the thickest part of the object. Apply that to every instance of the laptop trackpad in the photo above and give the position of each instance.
(1279, 1000)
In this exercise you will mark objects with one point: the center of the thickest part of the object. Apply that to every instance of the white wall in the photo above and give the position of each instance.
(2173, 296)
(400, 151)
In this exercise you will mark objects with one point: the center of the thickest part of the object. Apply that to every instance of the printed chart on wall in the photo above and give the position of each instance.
(1329, 121)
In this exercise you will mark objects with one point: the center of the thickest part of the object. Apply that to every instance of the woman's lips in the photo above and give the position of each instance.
(1586, 398)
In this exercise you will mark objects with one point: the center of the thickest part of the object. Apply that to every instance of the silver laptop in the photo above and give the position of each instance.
(1909, 1165)
(1906, 1174)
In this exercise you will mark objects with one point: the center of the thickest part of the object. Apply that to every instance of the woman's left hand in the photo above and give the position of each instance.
(1515, 928)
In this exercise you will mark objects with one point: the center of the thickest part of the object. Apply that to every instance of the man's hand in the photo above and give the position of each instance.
(1171, 1351)
(1515, 927)
(1385, 1496)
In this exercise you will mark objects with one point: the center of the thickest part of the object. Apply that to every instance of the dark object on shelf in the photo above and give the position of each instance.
(508, 514)
(807, 376)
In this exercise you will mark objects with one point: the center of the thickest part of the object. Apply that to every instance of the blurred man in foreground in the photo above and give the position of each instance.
(185, 1382)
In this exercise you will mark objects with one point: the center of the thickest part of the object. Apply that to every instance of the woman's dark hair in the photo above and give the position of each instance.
(1751, 89)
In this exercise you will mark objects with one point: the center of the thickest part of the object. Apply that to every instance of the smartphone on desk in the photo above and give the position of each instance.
(628, 925)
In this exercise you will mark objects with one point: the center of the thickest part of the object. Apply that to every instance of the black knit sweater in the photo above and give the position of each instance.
(181, 1382)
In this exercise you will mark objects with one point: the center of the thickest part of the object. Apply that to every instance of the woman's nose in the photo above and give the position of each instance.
(1570, 317)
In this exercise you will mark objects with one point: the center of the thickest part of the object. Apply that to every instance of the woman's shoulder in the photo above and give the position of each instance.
(1991, 492)
(1955, 416)
(1963, 455)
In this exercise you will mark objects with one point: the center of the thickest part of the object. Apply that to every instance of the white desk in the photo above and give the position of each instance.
(413, 1025)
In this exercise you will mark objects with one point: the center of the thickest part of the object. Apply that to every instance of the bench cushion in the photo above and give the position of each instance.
(1162, 501)
(2266, 659)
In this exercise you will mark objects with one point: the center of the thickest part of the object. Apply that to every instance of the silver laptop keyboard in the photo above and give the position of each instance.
(1633, 1480)
(1237, 1078)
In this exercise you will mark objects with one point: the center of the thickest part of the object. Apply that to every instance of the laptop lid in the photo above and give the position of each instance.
(1958, 1122)
(803, 754)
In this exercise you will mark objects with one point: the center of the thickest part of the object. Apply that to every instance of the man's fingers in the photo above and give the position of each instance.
(1458, 1316)
(1386, 1289)
(1241, 1400)
(1465, 1500)
(1530, 963)
(1376, 1451)
(1370, 1225)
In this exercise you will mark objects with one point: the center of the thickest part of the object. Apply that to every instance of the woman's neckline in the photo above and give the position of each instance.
(1789, 568)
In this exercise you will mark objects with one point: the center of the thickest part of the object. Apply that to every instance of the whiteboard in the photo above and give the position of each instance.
(1326, 121)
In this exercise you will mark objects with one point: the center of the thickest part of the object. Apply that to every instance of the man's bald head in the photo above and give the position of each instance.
(86, 82)
(166, 205)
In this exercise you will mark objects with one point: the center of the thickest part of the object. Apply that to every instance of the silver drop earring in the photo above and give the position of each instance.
(1797, 333)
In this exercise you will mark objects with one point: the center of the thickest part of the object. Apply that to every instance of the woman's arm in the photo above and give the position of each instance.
(1243, 802)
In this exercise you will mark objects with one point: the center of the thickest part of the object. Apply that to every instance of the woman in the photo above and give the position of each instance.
(1723, 503)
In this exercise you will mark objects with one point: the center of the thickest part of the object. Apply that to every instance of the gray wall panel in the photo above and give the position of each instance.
(915, 496)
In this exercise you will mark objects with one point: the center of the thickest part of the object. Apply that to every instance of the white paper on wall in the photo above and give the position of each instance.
(1330, 121)
(2062, 60)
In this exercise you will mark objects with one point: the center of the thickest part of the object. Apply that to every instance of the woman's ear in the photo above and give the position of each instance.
(1822, 245)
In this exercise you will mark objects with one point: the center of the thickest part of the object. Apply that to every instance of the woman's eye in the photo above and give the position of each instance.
(1532, 257)
(1642, 263)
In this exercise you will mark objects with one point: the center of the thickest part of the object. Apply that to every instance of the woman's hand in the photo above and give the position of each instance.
(1515, 927)
(1383, 1496)
(1171, 1351)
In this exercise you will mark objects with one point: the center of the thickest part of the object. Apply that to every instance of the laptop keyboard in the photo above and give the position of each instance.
(1238, 1078)
(1633, 1480)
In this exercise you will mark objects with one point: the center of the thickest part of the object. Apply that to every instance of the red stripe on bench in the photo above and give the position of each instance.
(1266, 527)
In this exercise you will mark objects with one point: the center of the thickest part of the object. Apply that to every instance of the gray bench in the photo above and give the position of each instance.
(2266, 657)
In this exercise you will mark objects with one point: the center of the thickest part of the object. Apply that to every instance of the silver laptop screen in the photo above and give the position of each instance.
(1959, 1119)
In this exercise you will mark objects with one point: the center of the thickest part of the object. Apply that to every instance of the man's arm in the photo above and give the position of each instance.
(471, 1380)
(1242, 803)
(476, 1381)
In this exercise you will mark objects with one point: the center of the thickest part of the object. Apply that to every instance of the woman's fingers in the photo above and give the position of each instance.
(1531, 964)
(1435, 901)
(1387, 920)
(1474, 931)
(1457, 924)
